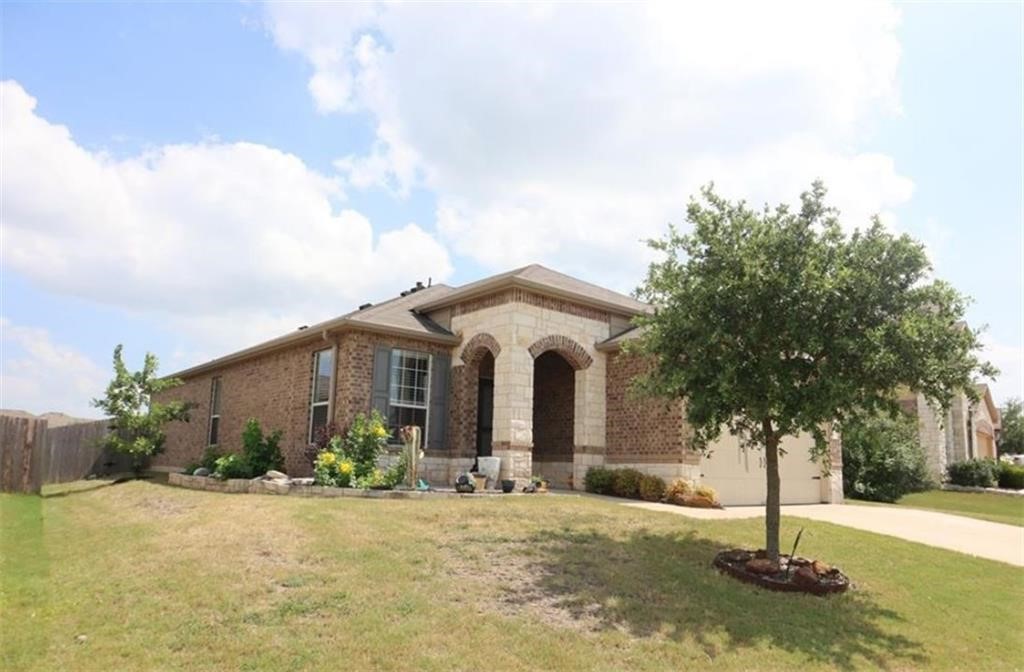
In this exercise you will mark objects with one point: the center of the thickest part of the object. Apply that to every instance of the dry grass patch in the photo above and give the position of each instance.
(162, 578)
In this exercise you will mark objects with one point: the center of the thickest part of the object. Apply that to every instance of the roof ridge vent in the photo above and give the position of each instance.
(365, 306)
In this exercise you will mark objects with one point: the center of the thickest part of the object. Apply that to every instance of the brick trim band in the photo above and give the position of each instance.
(475, 348)
(566, 347)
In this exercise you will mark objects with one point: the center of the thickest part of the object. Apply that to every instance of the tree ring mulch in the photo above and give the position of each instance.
(796, 574)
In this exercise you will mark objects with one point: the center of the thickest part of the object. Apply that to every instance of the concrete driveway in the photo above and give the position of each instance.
(994, 541)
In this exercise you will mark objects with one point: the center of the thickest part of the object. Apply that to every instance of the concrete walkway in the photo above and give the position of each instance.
(994, 541)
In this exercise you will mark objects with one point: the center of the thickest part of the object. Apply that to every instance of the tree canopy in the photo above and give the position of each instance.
(1011, 436)
(772, 322)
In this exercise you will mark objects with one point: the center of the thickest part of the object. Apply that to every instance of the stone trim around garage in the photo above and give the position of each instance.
(262, 487)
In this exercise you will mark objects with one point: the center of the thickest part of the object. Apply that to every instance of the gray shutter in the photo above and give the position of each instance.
(440, 373)
(381, 393)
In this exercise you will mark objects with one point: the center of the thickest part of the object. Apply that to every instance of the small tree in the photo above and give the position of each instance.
(775, 322)
(1011, 437)
(136, 421)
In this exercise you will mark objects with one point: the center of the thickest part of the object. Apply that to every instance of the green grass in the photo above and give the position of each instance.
(161, 578)
(981, 505)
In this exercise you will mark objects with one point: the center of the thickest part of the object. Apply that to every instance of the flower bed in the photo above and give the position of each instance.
(789, 574)
(305, 488)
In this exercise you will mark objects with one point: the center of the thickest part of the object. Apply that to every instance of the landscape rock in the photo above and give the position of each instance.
(820, 568)
(201, 471)
(762, 566)
(805, 577)
(302, 481)
(275, 475)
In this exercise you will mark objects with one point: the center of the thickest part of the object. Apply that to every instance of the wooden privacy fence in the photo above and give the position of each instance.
(33, 455)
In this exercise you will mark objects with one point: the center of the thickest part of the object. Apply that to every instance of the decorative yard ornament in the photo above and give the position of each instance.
(412, 438)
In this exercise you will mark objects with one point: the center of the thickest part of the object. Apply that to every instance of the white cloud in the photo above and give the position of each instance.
(1009, 359)
(41, 375)
(228, 243)
(566, 133)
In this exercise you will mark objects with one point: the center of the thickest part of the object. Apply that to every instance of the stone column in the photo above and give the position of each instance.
(589, 419)
(513, 412)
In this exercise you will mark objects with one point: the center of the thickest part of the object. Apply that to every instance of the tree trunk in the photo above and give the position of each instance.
(772, 513)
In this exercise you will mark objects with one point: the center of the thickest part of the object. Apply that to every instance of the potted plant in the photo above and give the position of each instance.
(540, 483)
(508, 485)
(465, 483)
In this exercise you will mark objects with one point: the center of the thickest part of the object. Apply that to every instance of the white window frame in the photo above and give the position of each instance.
(215, 400)
(313, 403)
(392, 402)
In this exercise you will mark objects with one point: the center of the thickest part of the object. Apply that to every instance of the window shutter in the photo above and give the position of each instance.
(440, 373)
(381, 381)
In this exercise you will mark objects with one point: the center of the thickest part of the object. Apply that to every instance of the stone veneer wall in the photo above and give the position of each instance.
(517, 319)
(275, 389)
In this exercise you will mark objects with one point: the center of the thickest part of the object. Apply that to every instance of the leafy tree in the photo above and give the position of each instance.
(883, 458)
(136, 420)
(774, 322)
(1011, 437)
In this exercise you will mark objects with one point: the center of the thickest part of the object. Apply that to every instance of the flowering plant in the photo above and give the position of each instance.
(332, 469)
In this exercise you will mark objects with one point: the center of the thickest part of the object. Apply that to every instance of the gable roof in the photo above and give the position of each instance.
(986, 396)
(406, 315)
(543, 281)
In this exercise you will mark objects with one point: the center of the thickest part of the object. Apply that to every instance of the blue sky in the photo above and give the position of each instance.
(192, 178)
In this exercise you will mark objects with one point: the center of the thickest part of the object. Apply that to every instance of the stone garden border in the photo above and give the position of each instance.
(259, 486)
(972, 488)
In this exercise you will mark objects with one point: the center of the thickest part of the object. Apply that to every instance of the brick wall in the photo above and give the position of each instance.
(641, 429)
(554, 385)
(275, 389)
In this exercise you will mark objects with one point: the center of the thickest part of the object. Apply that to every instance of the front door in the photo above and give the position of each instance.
(484, 417)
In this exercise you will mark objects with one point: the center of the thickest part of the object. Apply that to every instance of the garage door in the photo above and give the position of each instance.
(738, 474)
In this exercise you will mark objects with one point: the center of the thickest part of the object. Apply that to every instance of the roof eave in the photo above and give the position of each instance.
(539, 287)
(317, 331)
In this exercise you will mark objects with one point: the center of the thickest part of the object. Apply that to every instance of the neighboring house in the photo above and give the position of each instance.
(525, 366)
(966, 431)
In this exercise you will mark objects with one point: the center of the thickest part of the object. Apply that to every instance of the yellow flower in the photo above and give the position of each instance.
(345, 467)
(327, 458)
(380, 431)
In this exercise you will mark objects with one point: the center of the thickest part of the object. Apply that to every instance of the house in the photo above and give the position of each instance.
(525, 366)
(967, 430)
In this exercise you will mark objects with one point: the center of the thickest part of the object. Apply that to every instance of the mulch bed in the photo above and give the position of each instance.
(788, 575)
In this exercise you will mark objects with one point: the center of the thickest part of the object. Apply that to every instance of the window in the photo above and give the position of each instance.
(214, 411)
(410, 390)
(320, 398)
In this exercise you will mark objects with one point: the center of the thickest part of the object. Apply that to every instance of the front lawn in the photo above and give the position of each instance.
(982, 505)
(144, 576)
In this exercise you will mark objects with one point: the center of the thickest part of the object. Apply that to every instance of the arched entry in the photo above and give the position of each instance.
(478, 356)
(554, 415)
(485, 405)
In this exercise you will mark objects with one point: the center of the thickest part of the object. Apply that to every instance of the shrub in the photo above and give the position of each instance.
(599, 480)
(263, 452)
(627, 483)
(232, 466)
(321, 441)
(329, 469)
(1011, 476)
(707, 492)
(652, 488)
(678, 490)
(882, 458)
(365, 440)
(207, 461)
(977, 472)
